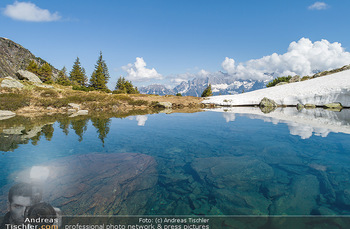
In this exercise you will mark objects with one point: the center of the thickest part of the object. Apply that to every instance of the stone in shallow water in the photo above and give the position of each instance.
(100, 184)
(300, 199)
(235, 183)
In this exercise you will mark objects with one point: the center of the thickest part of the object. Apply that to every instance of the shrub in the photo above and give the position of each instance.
(13, 101)
(278, 80)
(138, 102)
(305, 78)
(49, 93)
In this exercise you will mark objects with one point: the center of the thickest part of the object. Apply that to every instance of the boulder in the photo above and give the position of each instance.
(98, 184)
(167, 105)
(11, 83)
(295, 79)
(309, 106)
(300, 106)
(80, 112)
(265, 102)
(299, 199)
(26, 75)
(333, 106)
(281, 83)
(6, 114)
(74, 106)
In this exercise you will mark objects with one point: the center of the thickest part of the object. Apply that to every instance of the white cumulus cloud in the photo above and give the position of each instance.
(302, 58)
(138, 71)
(27, 11)
(318, 6)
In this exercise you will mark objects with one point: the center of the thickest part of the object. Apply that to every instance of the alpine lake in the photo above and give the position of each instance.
(228, 161)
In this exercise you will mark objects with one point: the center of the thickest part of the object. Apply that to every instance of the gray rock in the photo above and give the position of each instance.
(333, 106)
(265, 102)
(74, 106)
(83, 112)
(71, 111)
(309, 106)
(167, 105)
(6, 114)
(11, 83)
(80, 112)
(26, 75)
(295, 79)
(281, 83)
(300, 106)
(301, 198)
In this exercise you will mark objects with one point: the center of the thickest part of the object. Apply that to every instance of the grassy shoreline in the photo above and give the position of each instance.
(34, 100)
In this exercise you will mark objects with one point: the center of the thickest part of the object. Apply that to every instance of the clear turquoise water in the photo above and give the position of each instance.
(203, 165)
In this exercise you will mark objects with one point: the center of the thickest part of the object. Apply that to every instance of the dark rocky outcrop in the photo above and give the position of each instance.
(14, 57)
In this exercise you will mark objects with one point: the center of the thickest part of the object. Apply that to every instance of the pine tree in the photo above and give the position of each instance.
(104, 66)
(120, 86)
(62, 78)
(77, 74)
(100, 76)
(207, 92)
(125, 87)
(33, 67)
(45, 73)
(97, 80)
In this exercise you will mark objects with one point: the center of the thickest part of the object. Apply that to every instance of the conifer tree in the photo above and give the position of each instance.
(77, 74)
(104, 66)
(97, 80)
(207, 92)
(45, 73)
(125, 87)
(33, 67)
(62, 78)
(100, 76)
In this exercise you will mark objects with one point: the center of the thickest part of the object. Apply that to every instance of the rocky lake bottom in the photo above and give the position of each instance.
(206, 163)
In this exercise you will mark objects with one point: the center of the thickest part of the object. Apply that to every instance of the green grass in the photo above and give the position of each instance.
(13, 101)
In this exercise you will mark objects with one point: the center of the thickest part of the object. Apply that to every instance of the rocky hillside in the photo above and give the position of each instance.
(14, 57)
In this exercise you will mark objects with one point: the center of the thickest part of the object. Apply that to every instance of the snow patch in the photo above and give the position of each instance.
(319, 91)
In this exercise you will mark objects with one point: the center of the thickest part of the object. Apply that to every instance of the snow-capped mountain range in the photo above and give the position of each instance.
(222, 84)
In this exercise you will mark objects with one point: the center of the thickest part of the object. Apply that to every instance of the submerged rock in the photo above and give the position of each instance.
(99, 184)
(235, 181)
(300, 199)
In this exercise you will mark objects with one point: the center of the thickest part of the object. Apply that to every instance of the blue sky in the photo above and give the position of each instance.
(179, 40)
